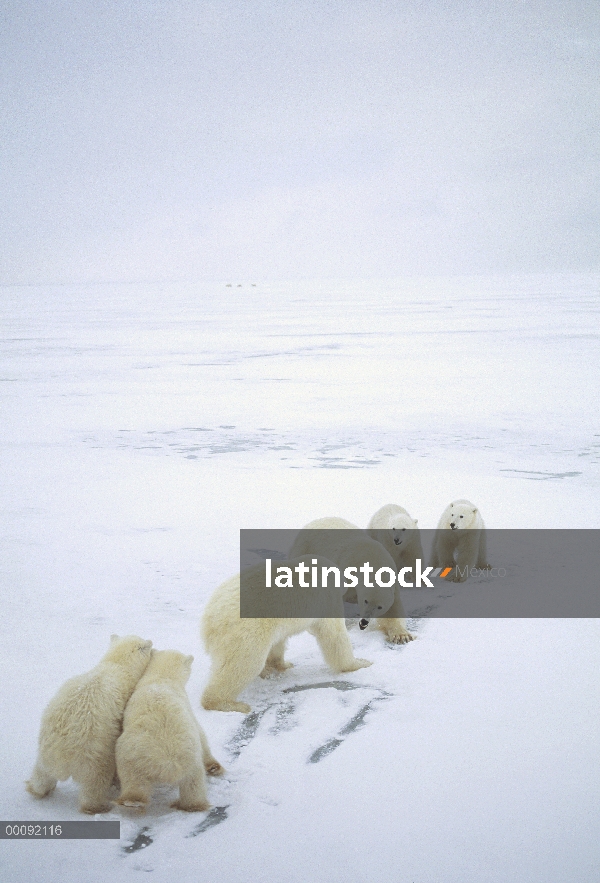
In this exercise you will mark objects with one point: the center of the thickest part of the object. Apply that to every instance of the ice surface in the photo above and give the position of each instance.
(143, 426)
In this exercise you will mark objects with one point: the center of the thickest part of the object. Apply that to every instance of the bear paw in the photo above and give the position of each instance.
(199, 806)
(214, 768)
(132, 802)
(273, 669)
(455, 577)
(38, 793)
(400, 637)
(93, 808)
(227, 705)
(356, 664)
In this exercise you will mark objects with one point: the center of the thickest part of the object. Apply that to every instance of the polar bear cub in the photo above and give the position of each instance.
(460, 541)
(397, 532)
(242, 649)
(352, 549)
(162, 742)
(82, 722)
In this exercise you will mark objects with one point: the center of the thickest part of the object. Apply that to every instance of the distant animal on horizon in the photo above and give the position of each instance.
(81, 724)
(460, 541)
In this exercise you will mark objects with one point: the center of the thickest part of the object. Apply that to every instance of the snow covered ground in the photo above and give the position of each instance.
(143, 426)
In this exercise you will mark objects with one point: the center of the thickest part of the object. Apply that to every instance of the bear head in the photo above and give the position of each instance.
(403, 528)
(460, 515)
(374, 595)
(130, 650)
(171, 665)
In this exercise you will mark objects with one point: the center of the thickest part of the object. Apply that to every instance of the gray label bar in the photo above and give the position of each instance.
(504, 573)
(88, 830)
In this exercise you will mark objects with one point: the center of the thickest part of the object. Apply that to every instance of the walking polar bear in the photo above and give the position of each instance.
(353, 549)
(82, 722)
(162, 742)
(397, 532)
(460, 541)
(241, 649)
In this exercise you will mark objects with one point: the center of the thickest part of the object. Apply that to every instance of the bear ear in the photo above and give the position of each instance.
(114, 638)
(474, 511)
(189, 659)
(416, 520)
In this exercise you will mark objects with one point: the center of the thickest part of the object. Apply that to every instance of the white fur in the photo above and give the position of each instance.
(460, 541)
(398, 533)
(162, 742)
(353, 550)
(81, 724)
(241, 649)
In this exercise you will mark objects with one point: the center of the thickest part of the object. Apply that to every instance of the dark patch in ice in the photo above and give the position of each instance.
(425, 611)
(217, 815)
(358, 720)
(355, 723)
(319, 753)
(325, 465)
(141, 841)
(246, 732)
(337, 685)
(356, 450)
(533, 475)
(284, 717)
(268, 553)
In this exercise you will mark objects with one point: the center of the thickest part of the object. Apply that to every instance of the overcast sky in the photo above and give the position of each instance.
(263, 139)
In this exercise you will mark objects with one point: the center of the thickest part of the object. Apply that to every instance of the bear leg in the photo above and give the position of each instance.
(211, 764)
(482, 562)
(393, 625)
(192, 792)
(136, 795)
(466, 556)
(434, 561)
(229, 677)
(95, 789)
(275, 660)
(335, 645)
(41, 782)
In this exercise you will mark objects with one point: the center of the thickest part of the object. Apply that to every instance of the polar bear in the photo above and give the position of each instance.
(397, 532)
(241, 649)
(459, 541)
(162, 743)
(352, 549)
(82, 723)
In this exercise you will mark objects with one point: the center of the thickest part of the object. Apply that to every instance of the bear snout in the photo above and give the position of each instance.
(363, 624)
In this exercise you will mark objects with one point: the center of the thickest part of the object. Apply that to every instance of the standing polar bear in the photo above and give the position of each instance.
(162, 742)
(81, 725)
(353, 549)
(459, 541)
(397, 532)
(241, 649)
